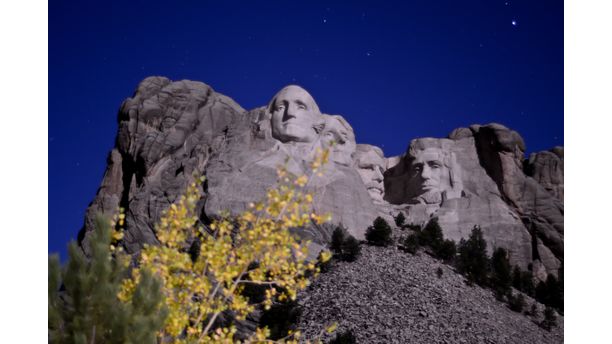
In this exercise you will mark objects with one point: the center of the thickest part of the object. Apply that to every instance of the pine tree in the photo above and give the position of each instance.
(350, 249)
(411, 243)
(432, 235)
(87, 309)
(400, 219)
(337, 240)
(501, 278)
(379, 234)
(550, 319)
(473, 260)
(447, 250)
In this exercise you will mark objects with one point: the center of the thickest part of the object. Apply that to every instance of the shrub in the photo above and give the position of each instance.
(346, 337)
(400, 219)
(501, 278)
(550, 293)
(432, 235)
(411, 243)
(447, 250)
(350, 249)
(439, 272)
(473, 260)
(337, 240)
(550, 319)
(281, 318)
(88, 310)
(516, 303)
(379, 234)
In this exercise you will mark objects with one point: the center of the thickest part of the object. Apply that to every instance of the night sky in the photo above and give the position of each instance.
(395, 70)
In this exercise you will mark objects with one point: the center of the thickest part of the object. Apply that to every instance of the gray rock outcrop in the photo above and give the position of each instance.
(170, 131)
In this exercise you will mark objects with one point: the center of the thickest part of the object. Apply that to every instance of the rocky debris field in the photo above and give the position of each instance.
(389, 296)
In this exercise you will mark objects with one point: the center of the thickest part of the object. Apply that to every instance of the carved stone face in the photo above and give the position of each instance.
(294, 114)
(371, 166)
(429, 176)
(338, 131)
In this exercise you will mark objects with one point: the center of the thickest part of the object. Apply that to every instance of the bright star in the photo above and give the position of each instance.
(514, 23)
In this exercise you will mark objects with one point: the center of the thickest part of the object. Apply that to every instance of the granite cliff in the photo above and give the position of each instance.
(170, 131)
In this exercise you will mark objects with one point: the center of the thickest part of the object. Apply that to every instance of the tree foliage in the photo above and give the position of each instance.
(400, 220)
(501, 275)
(473, 261)
(379, 234)
(256, 248)
(86, 308)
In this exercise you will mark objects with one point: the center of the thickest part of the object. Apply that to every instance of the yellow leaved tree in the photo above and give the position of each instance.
(255, 247)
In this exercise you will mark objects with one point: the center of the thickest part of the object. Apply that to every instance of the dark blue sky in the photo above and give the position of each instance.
(395, 70)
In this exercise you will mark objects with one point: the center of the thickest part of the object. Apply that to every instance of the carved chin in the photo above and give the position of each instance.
(291, 132)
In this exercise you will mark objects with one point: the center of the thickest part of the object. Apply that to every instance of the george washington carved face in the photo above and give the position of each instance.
(294, 115)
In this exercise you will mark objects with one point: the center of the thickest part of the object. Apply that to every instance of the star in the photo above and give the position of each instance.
(514, 23)
(368, 53)
(324, 20)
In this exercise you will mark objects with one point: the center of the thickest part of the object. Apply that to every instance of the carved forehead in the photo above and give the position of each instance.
(429, 154)
(294, 92)
(339, 124)
(369, 158)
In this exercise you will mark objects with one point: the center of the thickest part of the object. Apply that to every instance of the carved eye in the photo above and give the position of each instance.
(301, 106)
(280, 107)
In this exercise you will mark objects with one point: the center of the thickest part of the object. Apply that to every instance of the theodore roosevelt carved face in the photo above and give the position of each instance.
(294, 115)
(371, 166)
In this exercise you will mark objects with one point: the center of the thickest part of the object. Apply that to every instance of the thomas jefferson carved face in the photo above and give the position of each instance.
(294, 115)
(371, 166)
(338, 131)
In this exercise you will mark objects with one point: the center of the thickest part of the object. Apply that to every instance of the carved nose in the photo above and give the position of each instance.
(426, 173)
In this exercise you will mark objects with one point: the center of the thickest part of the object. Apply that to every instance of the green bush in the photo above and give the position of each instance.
(350, 249)
(439, 272)
(550, 293)
(379, 234)
(411, 243)
(472, 260)
(400, 219)
(550, 319)
(516, 303)
(447, 250)
(501, 277)
(87, 309)
(337, 240)
(432, 235)
(346, 337)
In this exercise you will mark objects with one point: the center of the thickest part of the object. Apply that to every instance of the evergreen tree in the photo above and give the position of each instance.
(432, 235)
(501, 278)
(379, 234)
(516, 303)
(400, 219)
(550, 293)
(517, 281)
(473, 260)
(344, 338)
(87, 309)
(447, 250)
(350, 249)
(337, 240)
(411, 243)
(550, 319)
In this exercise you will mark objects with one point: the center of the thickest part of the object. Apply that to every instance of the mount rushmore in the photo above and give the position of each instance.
(170, 131)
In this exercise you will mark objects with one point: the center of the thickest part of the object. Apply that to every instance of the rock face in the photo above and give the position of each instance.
(170, 131)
